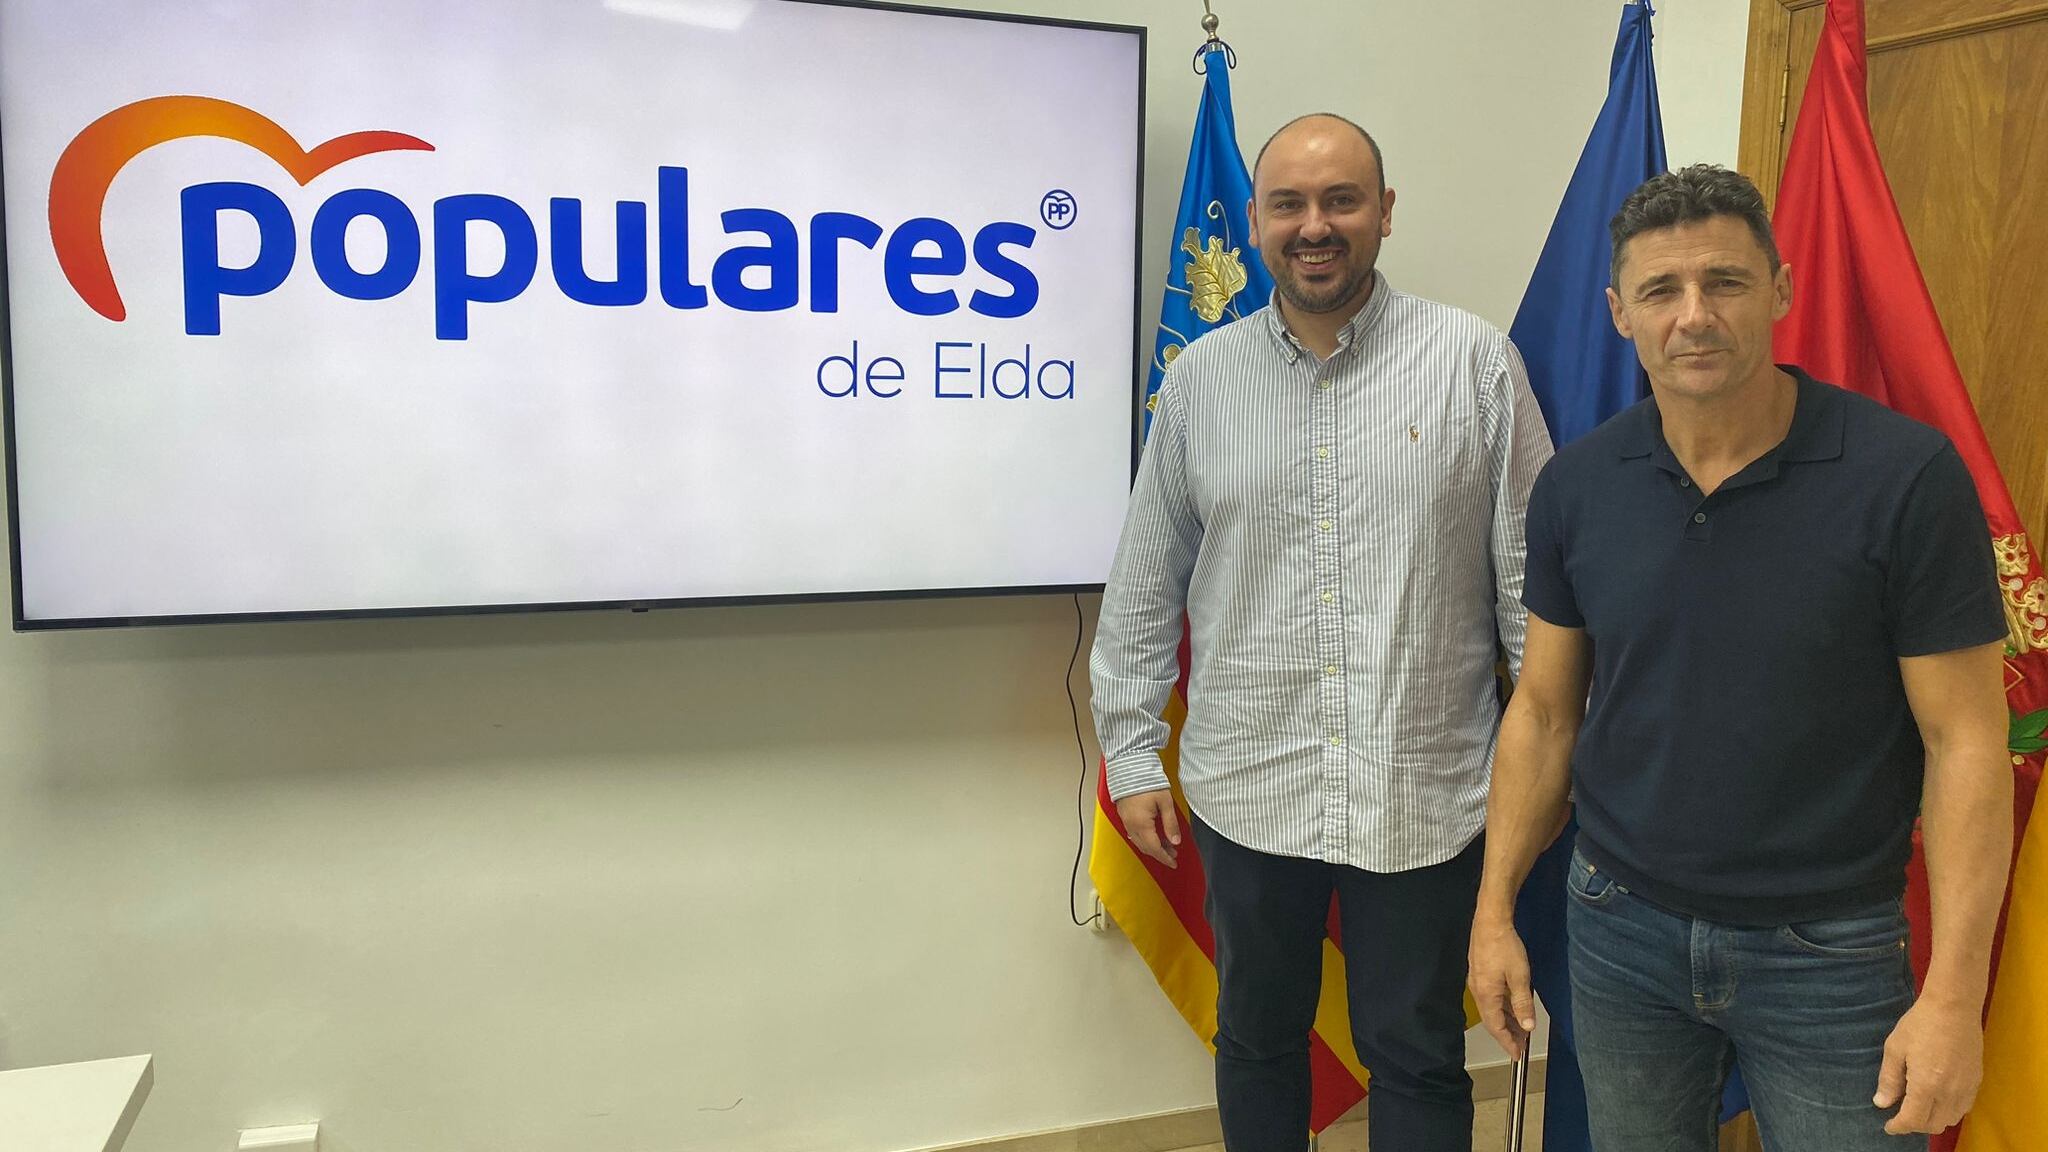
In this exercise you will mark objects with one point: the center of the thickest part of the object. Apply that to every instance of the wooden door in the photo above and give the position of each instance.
(1959, 106)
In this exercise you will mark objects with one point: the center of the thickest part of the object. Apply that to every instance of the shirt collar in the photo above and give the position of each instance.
(1816, 432)
(1817, 421)
(1354, 328)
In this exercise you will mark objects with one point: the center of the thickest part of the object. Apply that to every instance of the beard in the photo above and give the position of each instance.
(1315, 298)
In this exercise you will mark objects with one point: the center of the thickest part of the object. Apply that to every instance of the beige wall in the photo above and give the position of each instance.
(738, 879)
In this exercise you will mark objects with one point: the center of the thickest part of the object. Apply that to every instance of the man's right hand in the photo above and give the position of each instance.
(1498, 977)
(1152, 824)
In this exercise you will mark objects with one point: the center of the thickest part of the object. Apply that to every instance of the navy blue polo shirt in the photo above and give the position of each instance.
(1748, 755)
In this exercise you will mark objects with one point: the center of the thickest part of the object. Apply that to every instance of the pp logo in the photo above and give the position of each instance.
(1058, 209)
(88, 165)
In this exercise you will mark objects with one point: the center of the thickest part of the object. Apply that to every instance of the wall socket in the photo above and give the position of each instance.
(1099, 921)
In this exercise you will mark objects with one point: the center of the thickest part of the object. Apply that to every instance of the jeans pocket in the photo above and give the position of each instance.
(1863, 935)
(1589, 885)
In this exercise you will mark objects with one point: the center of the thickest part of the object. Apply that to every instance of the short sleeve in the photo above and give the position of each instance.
(1546, 580)
(1941, 587)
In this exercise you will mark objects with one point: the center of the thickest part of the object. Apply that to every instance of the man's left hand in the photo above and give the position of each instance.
(1934, 1060)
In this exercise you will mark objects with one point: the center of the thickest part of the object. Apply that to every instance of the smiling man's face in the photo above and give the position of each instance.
(1318, 215)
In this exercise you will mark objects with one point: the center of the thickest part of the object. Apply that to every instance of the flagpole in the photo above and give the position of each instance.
(1518, 1103)
(1210, 23)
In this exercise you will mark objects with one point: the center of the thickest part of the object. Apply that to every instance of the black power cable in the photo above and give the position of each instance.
(1081, 788)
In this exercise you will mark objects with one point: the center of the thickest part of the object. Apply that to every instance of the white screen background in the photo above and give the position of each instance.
(328, 454)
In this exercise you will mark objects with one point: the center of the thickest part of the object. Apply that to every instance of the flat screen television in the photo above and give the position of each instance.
(325, 308)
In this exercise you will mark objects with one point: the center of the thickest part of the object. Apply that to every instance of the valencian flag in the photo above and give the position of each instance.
(1215, 277)
(1862, 318)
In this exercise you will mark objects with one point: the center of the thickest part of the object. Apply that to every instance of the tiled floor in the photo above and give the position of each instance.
(1489, 1130)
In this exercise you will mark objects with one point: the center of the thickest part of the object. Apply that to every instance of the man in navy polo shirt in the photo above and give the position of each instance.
(1763, 636)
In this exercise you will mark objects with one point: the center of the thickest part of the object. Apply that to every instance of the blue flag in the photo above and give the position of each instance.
(1582, 372)
(1214, 275)
(1581, 369)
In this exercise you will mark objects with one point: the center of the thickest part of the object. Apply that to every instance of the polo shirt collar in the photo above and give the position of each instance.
(1816, 432)
(1817, 421)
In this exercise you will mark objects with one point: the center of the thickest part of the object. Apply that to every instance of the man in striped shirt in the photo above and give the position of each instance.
(1332, 497)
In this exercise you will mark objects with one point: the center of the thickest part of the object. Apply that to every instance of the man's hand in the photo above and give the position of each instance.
(1498, 977)
(1935, 1060)
(1152, 823)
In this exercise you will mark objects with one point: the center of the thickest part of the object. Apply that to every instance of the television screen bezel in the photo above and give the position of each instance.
(1138, 375)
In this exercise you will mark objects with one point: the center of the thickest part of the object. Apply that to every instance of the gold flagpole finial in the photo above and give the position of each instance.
(1212, 44)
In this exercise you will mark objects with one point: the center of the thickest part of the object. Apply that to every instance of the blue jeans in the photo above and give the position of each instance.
(1663, 1004)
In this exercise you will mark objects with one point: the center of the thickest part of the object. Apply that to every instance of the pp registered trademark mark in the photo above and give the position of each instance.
(1058, 209)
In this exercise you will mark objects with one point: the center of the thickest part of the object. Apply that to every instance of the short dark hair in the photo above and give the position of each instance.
(1697, 192)
(1378, 162)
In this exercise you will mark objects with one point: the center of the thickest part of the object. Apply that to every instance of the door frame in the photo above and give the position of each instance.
(1767, 71)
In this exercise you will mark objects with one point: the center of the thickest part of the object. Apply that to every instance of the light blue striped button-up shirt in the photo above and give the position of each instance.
(1345, 540)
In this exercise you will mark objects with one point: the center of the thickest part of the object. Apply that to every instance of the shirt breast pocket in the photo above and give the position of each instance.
(1422, 463)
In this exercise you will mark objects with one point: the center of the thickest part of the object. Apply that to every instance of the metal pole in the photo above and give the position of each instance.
(1518, 1104)
(1214, 42)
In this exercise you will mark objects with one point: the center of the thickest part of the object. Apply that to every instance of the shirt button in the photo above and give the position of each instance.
(1322, 453)
(1322, 384)
(1328, 596)
(1323, 524)
(1685, 481)
(1329, 669)
(1699, 517)
(1336, 741)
